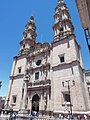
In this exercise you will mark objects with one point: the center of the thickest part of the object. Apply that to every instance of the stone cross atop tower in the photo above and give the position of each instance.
(30, 29)
(63, 25)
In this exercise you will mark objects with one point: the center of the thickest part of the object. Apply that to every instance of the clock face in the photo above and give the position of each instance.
(38, 62)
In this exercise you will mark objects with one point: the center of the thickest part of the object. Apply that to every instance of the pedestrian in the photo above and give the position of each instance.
(65, 118)
(85, 117)
(62, 116)
(79, 117)
(89, 116)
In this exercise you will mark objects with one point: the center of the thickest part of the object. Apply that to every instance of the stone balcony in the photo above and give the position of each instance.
(39, 84)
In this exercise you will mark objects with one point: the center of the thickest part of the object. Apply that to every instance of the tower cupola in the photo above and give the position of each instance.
(30, 29)
(29, 37)
(63, 25)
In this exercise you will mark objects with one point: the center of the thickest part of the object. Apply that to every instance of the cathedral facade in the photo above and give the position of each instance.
(49, 78)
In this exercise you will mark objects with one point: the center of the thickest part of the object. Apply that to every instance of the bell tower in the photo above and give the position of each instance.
(63, 25)
(29, 37)
(66, 63)
(17, 86)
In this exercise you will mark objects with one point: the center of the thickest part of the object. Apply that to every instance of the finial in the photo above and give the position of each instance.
(60, 1)
(31, 18)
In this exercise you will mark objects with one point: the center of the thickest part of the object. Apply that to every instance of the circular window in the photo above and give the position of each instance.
(38, 62)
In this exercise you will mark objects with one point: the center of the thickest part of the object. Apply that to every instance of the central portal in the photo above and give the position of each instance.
(35, 103)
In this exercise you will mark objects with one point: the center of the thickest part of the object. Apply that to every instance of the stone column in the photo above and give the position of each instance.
(48, 103)
(24, 97)
(23, 112)
(40, 103)
(30, 105)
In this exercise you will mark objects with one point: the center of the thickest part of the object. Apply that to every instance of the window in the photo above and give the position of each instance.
(25, 35)
(31, 47)
(19, 70)
(62, 59)
(23, 46)
(36, 75)
(68, 44)
(89, 95)
(38, 62)
(14, 98)
(66, 97)
(61, 29)
(22, 92)
(26, 103)
(32, 36)
(63, 84)
(72, 70)
(88, 89)
(73, 82)
(46, 73)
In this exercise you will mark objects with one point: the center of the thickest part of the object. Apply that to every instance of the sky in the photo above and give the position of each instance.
(14, 14)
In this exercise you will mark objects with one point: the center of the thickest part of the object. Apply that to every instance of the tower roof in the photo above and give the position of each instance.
(30, 22)
(61, 4)
(63, 25)
(32, 18)
(30, 29)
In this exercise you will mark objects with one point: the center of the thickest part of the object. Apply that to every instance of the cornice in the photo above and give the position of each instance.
(21, 56)
(66, 65)
(63, 40)
(16, 77)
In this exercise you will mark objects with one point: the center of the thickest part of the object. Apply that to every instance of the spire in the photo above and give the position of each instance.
(63, 25)
(30, 29)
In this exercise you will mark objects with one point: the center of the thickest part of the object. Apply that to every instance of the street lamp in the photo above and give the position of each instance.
(0, 84)
(68, 85)
(69, 96)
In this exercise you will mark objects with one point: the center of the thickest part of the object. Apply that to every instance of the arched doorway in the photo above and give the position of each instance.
(35, 103)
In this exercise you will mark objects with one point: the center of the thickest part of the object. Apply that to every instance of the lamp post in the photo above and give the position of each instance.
(68, 85)
(68, 82)
(0, 84)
